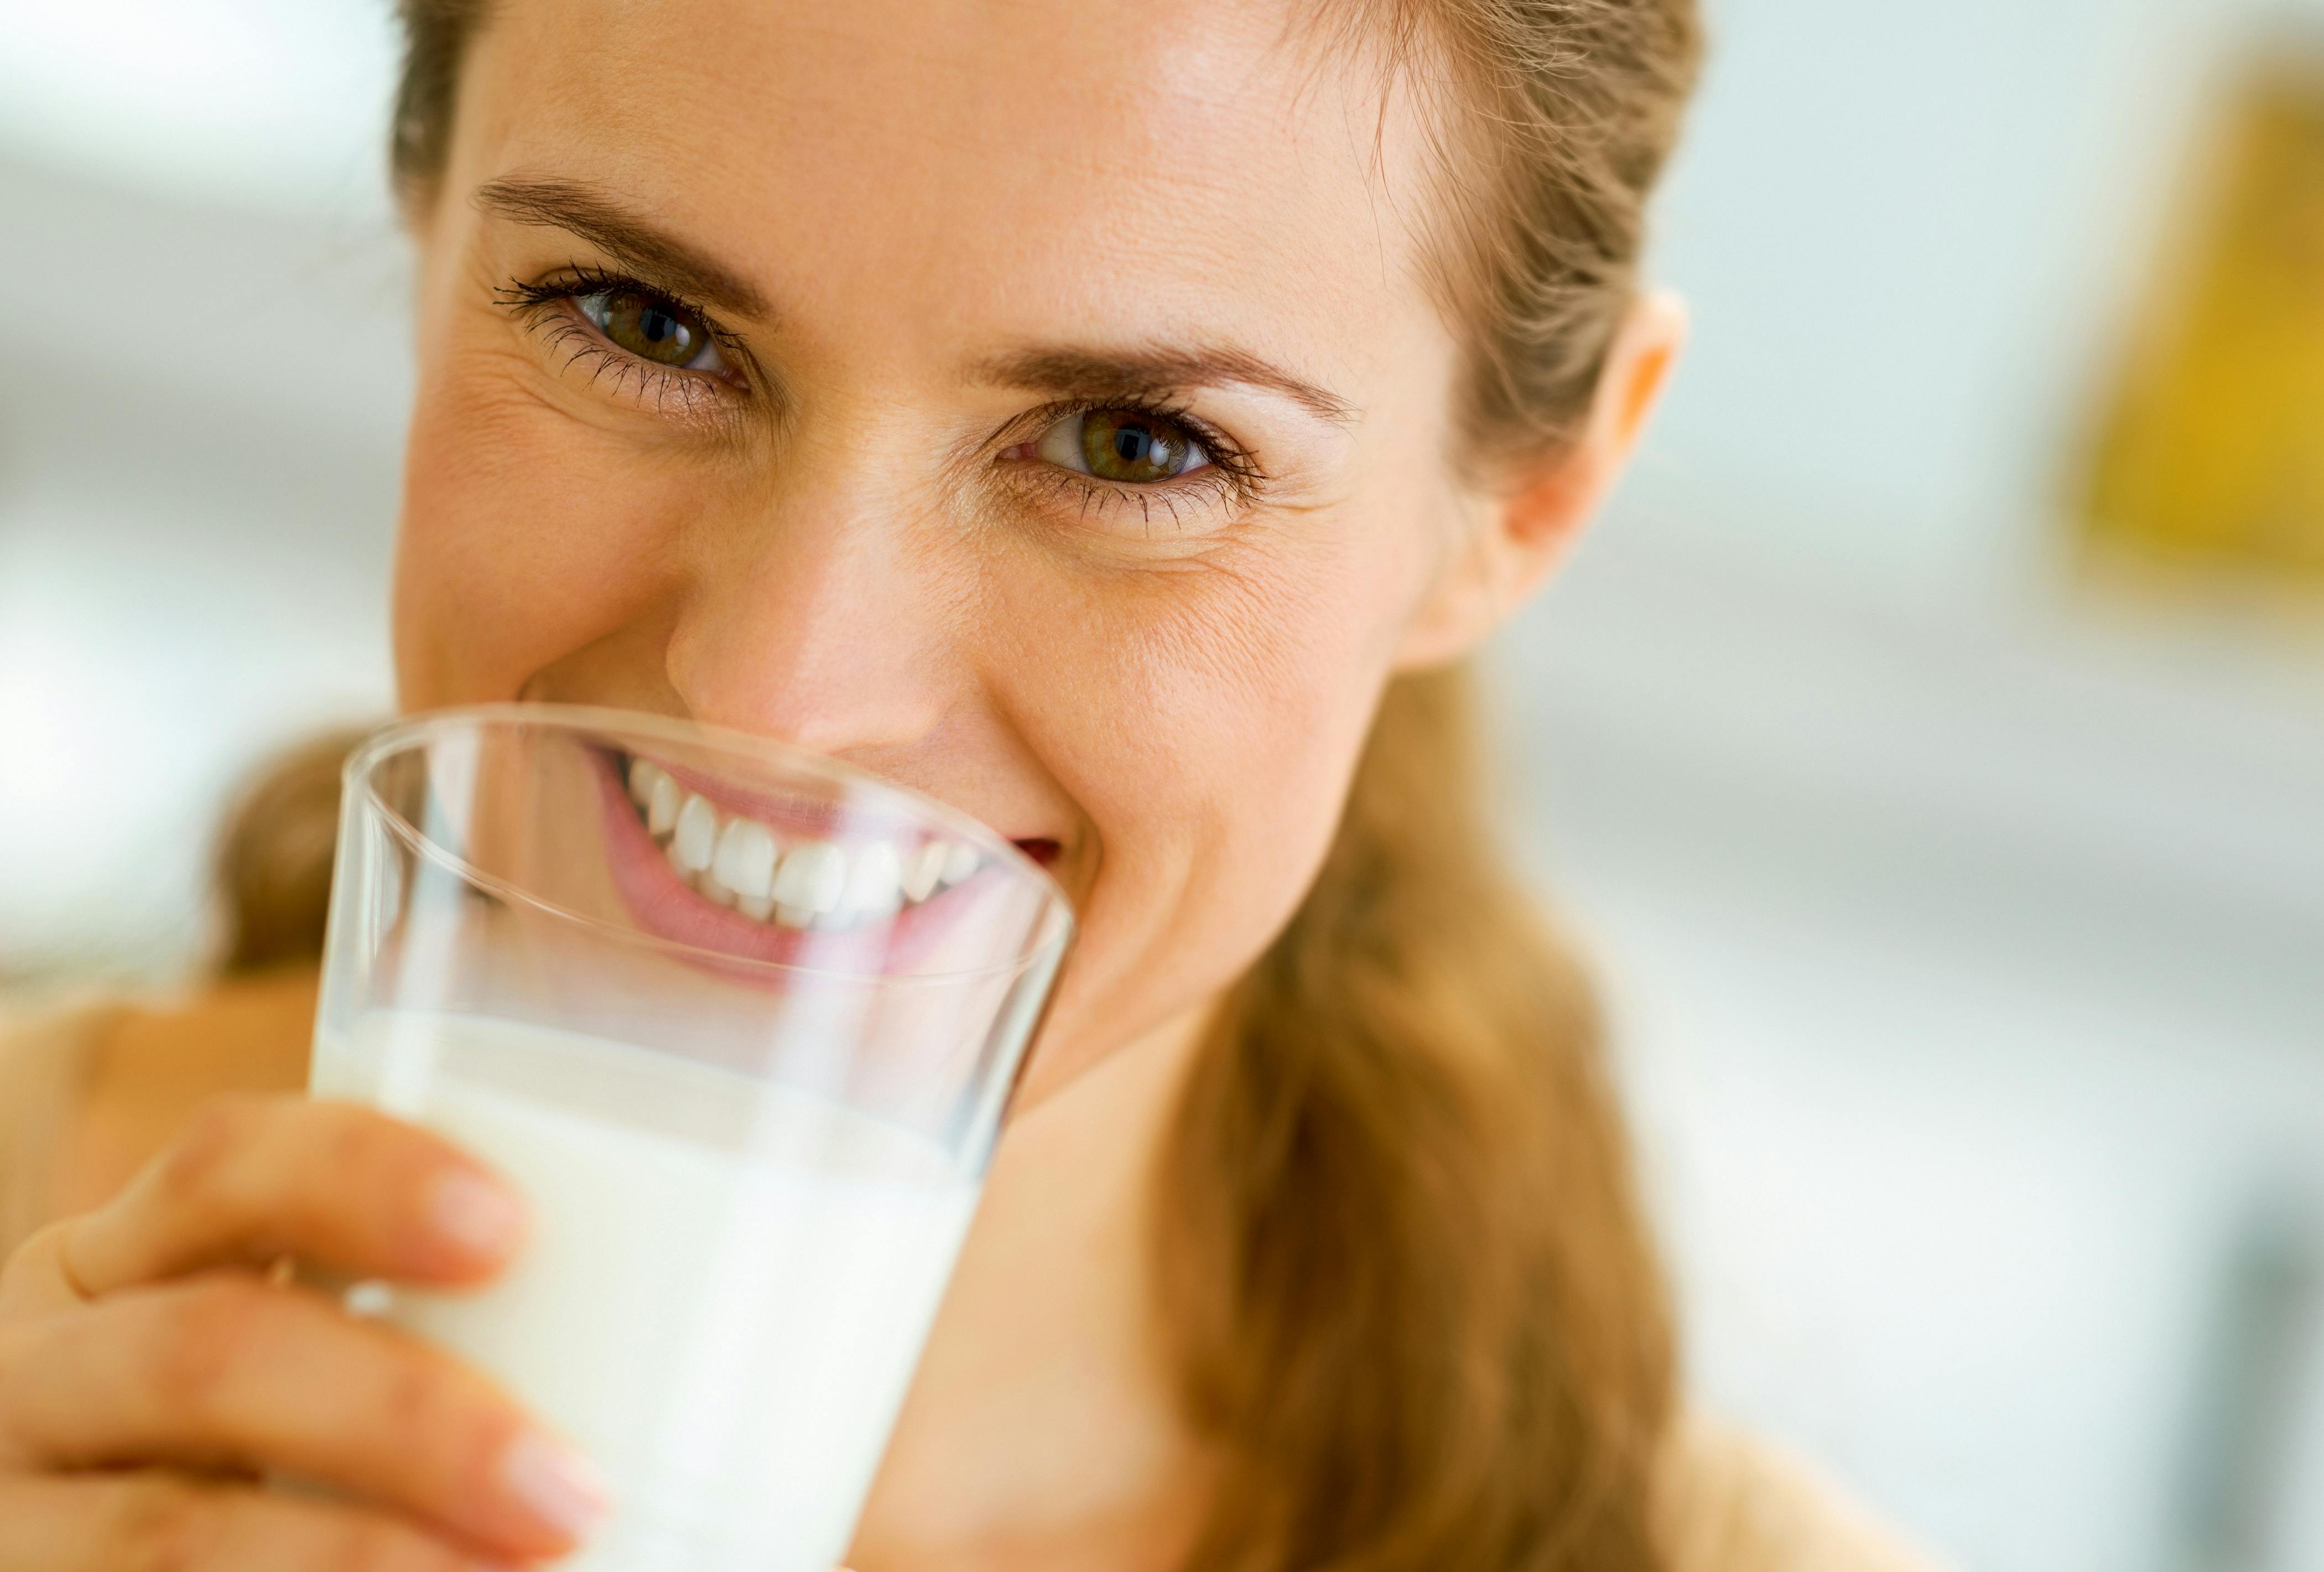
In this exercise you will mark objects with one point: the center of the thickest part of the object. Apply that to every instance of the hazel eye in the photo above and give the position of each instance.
(653, 328)
(1126, 446)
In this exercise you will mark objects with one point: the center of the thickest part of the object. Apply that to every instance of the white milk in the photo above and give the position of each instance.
(725, 1292)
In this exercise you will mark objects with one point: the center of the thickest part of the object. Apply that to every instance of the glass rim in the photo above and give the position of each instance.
(405, 734)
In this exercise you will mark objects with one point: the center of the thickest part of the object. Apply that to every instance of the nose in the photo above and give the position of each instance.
(822, 619)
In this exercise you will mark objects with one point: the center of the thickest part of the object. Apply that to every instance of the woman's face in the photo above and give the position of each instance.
(1039, 403)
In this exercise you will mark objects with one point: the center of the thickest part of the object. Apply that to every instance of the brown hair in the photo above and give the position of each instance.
(1414, 1299)
(1413, 1302)
(274, 858)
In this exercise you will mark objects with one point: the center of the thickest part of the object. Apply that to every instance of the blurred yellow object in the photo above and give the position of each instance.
(2212, 451)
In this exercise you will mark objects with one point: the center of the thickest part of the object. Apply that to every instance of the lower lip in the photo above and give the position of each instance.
(667, 907)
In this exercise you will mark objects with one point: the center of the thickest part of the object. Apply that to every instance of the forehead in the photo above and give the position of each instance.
(969, 162)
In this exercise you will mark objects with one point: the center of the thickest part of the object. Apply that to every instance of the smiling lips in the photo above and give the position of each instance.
(789, 880)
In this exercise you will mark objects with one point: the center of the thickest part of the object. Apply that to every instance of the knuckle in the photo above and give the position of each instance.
(346, 1146)
(219, 1131)
(372, 1545)
(413, 1406)
(353, 1136)
(162, 1525)
(428, 1410)
(207, 1338)
(348, 1141)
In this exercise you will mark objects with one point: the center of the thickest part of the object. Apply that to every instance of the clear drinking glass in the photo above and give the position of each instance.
(742, 1023)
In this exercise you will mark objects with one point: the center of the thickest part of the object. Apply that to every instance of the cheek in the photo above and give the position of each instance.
(525, 536)
(1206, 721)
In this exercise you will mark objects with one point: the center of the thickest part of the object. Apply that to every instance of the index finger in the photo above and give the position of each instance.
(254, 1180)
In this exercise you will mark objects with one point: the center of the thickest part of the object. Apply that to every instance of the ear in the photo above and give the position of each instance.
(1514, 538)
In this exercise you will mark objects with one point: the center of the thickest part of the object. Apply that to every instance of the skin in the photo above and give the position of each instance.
(857, 538)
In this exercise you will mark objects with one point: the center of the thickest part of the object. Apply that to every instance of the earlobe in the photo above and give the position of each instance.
(1513, 542)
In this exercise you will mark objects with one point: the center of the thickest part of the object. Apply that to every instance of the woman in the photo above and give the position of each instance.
(1117, 422)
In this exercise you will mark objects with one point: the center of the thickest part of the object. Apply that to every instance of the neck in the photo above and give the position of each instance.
(1042, 1432)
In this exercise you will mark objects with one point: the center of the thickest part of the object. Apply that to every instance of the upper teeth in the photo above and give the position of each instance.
(741, 862)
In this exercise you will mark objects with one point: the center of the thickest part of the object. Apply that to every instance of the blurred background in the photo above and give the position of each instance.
(1929, 745)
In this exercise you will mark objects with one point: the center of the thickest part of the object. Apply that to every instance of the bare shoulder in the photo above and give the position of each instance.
(47, 1054)
(1737, 1505)
(90, 1090)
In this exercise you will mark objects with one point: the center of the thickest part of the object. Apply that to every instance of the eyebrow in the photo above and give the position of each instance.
(1117, 374)
(629, 238)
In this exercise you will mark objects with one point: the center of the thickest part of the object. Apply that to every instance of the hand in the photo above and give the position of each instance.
(153, 1366)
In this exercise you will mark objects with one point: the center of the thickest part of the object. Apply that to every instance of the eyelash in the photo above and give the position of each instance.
(547, 306)
(1230, 476)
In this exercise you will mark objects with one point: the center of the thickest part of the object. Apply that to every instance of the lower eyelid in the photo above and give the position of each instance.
(1208, 489)
(569, 318)
(1028, 453)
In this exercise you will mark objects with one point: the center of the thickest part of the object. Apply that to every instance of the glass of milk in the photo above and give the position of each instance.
(742, 1023)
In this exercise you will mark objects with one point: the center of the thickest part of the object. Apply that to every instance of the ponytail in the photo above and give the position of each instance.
(1415, 1305)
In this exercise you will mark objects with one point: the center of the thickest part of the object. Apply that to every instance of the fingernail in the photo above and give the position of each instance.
(478, 1215)
(555, 1484)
